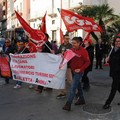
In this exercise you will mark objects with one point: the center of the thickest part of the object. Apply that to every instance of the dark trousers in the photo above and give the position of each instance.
(7, 80)
(40, 87)
(99, 61)
(115, 86)
(85, 80)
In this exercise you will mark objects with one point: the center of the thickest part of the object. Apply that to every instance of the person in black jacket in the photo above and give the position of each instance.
(7, 49)
(47, 48)
(90, 50)
(99, 49)
(114, 62)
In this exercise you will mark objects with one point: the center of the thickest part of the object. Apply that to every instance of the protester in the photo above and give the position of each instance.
(63, 47)
(7, 49)
(54, 46)
(78, 64)
(21, 49)
(46, 48)
(99, 54)
(106, 51)
(114, 62)
(90, 49)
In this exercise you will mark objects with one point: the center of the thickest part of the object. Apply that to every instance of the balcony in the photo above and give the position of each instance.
(52, 15)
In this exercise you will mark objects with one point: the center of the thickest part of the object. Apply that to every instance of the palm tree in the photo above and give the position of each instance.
(114, 28)
(103, 14)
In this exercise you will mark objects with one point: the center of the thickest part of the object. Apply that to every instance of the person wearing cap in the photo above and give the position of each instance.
(21, 49)
(90, 49)
(114, 63)
(77, 65)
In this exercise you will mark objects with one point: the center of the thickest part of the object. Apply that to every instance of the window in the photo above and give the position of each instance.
(34, 25)
(53, 21)
(3, 12)
(20, 7)
(54, 35)
(3, 3)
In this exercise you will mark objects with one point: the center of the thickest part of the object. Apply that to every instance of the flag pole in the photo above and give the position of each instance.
(60, 19)
(86, 35)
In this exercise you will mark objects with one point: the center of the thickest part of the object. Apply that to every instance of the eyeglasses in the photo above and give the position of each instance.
(7, 42)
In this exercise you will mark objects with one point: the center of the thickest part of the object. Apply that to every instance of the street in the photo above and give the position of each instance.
(28, 104)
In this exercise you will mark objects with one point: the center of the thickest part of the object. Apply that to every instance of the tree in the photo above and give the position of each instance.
(114, 28)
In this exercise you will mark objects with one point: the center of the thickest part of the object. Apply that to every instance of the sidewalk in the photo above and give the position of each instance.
(27, 104)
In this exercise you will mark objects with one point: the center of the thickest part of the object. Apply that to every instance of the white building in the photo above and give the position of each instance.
(38, 9)
(23, 8)
(10, 11)
(33, 11)
(115, 4)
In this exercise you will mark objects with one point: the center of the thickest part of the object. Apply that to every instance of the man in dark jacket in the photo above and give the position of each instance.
(47, 48)
(85, 79)
(114, 62)
(99, 49)
(7, 49)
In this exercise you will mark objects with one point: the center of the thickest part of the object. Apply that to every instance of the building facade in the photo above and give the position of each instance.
(3, 16)
(33, 11)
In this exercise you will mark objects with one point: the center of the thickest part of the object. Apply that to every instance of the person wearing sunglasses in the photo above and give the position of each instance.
(7, 49)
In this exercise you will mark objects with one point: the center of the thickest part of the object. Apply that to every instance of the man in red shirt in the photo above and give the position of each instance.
(77, 65)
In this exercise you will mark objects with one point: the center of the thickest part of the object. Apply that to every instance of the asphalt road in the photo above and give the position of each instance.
(28, 104)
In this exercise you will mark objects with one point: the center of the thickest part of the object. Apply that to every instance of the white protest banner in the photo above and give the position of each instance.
(38, 68)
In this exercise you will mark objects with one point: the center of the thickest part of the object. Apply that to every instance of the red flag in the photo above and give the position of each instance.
(68, 55)
(74, 22)
(39, 35)
(43, 24)
(32, 47)
(35, 35)
(4, 66)
(61, 36)
(39, 46)
(87, 38)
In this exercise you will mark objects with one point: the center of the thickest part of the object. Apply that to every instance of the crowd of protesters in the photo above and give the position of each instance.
(78, 67)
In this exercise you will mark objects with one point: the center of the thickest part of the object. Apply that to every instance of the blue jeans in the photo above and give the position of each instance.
(76, 84)
(19, 83)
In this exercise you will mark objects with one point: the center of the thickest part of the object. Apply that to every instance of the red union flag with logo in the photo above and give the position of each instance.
(34, 34)
(74, 21)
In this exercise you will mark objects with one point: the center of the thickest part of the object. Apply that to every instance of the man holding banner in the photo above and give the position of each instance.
(21, 49)
(46, 48)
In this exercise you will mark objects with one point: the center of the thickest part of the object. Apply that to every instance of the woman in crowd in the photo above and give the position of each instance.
(114, 63)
